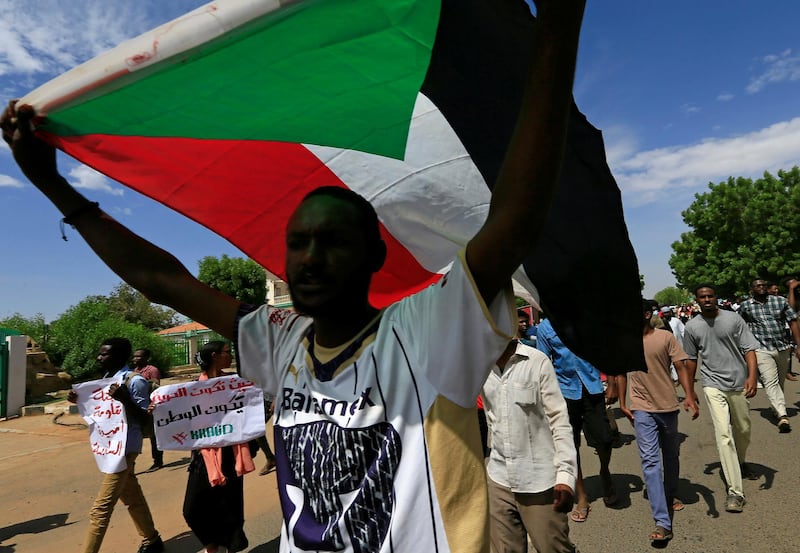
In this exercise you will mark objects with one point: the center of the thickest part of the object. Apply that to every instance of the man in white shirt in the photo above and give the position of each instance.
(675, 324)
(533, 464)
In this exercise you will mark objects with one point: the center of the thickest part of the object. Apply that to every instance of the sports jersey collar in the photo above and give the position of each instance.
(324, 371)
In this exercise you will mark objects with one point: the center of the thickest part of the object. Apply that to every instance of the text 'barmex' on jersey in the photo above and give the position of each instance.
(298, 401)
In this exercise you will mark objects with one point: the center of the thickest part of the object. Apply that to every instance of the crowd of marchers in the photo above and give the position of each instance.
(729, 349)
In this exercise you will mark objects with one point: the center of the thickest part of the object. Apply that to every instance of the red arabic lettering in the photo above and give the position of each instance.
(279, 316)
(113, 408)
(100, 394)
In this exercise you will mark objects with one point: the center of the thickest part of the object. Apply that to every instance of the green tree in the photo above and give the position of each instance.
(242, 278)
(672, 295)
(641, 282)
(35, 327)
(76, 336)
(134, 307)
(741, 229)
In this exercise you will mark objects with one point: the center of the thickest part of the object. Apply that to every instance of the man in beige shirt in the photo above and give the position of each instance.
(653, 411)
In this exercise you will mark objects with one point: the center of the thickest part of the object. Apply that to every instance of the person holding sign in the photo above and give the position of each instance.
(214, 502)
(132, 391)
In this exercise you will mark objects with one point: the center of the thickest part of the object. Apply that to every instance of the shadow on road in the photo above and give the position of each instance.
(624, 484)
(179, 464)
(767, 415)
(691, 493)
(269, 547)
(759, 471)
(186, 542)
(35, 526)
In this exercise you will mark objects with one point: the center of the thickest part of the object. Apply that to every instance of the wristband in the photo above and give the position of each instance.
(70, 217)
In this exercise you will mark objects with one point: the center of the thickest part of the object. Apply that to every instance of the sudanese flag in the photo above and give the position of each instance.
(233, 112)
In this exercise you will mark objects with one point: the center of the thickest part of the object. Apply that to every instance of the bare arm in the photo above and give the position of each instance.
(687, 383)
(528, 177)
(622, 388)
(612, 393)
(750, 385)
(794, 326)
(691, 369)
(792, 296)
(151, 270)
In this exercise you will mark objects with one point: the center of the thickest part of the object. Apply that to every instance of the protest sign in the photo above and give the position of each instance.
(108, 427)
(210, 413)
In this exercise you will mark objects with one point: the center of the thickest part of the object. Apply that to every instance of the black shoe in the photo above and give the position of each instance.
(156, 546)
(156, 465)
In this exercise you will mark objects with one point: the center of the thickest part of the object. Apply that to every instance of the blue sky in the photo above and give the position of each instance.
(686, 93)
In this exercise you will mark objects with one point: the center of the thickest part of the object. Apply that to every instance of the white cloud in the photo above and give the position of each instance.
(779, 68)
(725, 97)
(89, 179)
(49, 36)
(621, 144)
(9, 182)
(126, 211)
(689, 108)
(650, 175)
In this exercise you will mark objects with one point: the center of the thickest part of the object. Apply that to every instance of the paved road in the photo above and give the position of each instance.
(48, 480)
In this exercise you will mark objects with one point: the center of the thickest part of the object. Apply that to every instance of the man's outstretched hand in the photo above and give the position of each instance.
(36, 158)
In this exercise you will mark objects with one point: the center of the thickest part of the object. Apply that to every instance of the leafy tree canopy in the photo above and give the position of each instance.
(239, 277)
(741, 229)
(134, 307)
(76, 335)
(35, 327)
(672, 295)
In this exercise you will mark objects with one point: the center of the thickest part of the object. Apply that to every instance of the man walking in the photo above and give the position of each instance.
(719, 337)
(586, 400)
(767, 316)
(142, 366)
(653, 411)
(533, 464)
(133, 393)
(674, 324)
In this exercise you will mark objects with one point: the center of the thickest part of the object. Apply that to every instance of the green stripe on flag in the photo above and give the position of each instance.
(340, 73)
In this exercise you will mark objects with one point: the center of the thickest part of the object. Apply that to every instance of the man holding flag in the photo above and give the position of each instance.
(371, 405)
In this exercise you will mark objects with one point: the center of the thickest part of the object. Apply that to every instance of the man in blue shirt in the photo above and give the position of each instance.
(582, 388)
(134, 394)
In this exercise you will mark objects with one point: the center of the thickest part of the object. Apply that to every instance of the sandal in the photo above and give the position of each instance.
(660, 534)
(580, 514)
(677, 504)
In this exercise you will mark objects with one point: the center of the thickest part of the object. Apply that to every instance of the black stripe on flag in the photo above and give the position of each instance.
(584, 260)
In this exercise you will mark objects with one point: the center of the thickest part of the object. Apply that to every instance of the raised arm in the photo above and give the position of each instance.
(793, 285)
(154, 272)
(529, 174)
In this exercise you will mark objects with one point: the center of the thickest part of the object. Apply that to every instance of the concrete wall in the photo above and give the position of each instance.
(17, 348)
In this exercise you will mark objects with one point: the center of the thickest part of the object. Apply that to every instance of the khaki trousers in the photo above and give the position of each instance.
(730, 413)
(772, 368)
(125, 486)
(515, 516)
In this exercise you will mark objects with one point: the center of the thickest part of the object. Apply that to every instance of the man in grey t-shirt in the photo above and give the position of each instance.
(728, 373)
